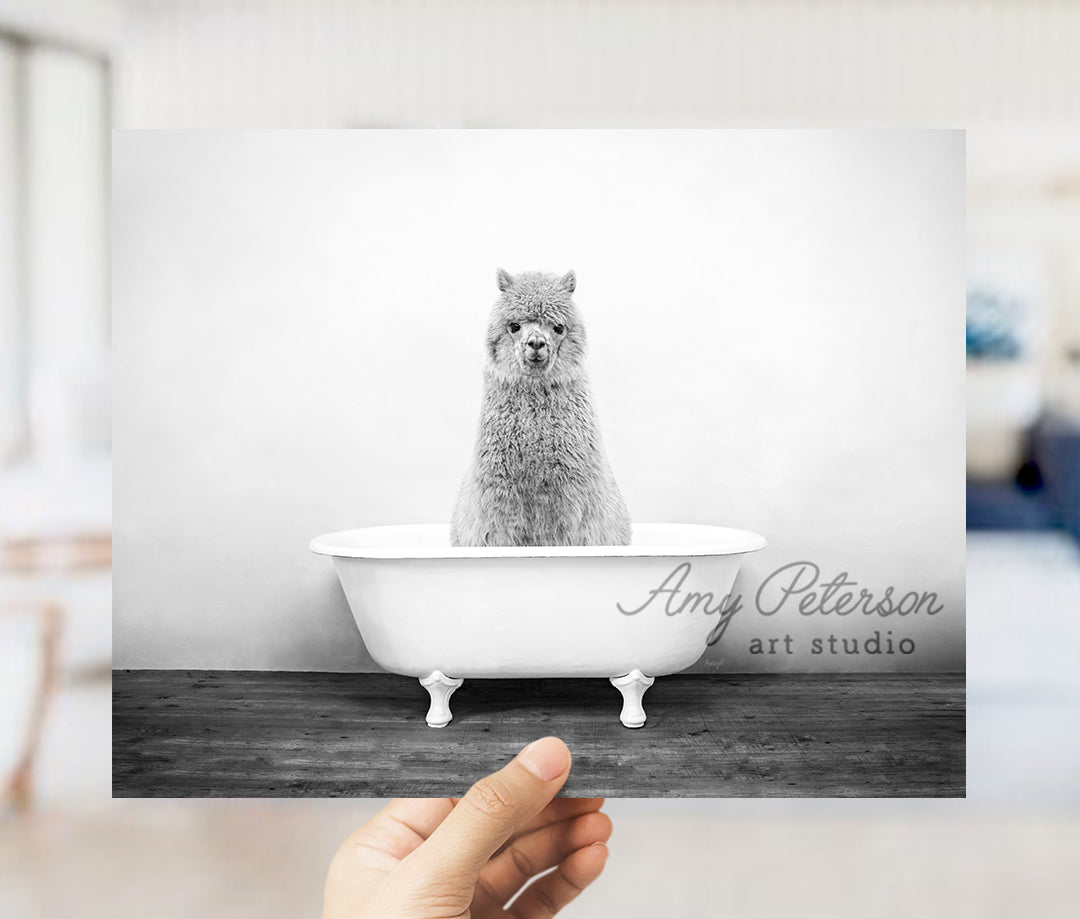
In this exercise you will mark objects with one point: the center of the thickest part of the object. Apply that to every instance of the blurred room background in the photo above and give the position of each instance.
(71, 70)
(1023, 457)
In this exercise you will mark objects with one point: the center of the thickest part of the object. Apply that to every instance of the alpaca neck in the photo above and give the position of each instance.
(535, 405)
(538, 386)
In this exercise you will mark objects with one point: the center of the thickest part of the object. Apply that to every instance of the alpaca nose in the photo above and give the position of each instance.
(536, 344)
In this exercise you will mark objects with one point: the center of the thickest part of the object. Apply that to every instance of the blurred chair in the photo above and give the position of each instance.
(55, 531)
(1057, 452)
(32, 565)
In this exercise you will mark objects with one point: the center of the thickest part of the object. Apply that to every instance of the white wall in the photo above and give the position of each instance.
(66, 190)
(11, 416)
(549, 63)
(1024, 213)
(776, 322)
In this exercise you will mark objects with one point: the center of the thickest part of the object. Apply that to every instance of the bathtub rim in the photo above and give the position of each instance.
(734, 542)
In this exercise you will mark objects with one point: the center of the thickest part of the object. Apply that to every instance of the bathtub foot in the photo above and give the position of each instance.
(440, 687)
(632, 686)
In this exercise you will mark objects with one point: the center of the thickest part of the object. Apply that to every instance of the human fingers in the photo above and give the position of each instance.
(558, 810)
(536, 852)
(545, 896)
(400, 827)
(493, 810)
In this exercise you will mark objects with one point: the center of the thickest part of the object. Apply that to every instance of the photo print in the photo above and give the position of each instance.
(429, 441)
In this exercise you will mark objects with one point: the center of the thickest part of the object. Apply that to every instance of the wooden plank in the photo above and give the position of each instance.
(255, 734)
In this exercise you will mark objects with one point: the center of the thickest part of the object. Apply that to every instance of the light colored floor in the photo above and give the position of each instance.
(1023, 644)
(176, 860)
(1009, 851)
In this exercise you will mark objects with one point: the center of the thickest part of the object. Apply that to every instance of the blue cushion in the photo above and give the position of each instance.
(1004, 506)
(1057, 451)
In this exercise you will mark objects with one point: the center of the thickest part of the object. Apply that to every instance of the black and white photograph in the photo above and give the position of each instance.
(650, 440)
(522, 459)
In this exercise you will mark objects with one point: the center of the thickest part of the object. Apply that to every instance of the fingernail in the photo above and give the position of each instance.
(546, 758)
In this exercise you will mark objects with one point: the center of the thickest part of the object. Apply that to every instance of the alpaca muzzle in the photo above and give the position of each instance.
(536, 351)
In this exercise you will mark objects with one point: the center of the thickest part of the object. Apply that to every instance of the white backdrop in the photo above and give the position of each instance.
(776, 323)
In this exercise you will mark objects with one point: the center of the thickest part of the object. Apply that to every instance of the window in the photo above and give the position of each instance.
(54, 284)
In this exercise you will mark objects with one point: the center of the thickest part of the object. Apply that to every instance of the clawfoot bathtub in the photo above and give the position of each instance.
(444, 614)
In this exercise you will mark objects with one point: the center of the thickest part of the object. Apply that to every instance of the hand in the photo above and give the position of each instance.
(442, 858)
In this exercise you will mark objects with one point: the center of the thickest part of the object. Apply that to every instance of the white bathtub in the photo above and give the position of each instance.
(629, 613)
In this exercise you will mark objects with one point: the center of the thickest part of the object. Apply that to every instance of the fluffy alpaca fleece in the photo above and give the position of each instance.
(539, 476)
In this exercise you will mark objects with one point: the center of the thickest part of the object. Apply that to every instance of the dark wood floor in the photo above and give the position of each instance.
(247, 734)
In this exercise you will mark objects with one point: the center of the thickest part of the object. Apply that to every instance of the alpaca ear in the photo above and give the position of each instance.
(568, 281)
(504, 279)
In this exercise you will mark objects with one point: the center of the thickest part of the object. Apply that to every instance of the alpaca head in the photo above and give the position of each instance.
(536, 332)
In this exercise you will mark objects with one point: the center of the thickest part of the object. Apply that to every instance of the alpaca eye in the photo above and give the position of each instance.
(515, 327)
(559, 328)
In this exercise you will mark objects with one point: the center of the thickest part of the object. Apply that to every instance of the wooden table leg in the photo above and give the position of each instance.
(20, 788)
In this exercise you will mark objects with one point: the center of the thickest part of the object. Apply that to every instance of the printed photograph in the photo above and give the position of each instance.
(430, 443)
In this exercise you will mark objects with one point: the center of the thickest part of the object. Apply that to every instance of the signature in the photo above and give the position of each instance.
(799, 580)
(690, 601)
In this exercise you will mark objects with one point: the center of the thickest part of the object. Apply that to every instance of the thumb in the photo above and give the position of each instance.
(492, 811)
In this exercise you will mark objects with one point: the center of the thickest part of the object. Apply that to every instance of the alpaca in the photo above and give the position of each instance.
(539, 476)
